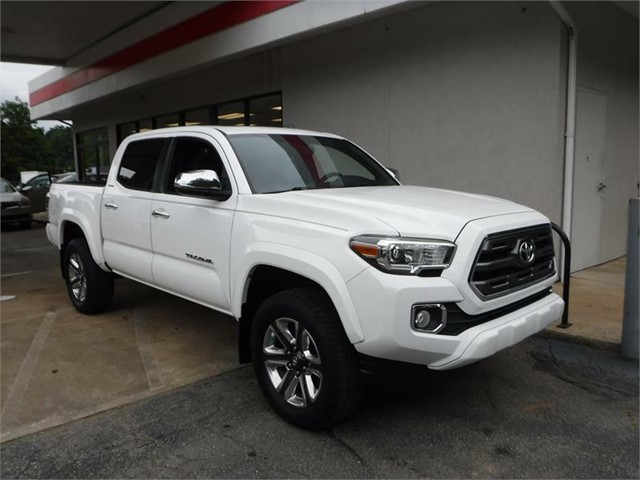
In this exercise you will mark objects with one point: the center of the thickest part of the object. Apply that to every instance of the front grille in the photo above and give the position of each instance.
(9, 204)
(501, 265)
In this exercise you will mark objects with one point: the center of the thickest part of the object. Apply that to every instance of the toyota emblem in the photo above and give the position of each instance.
(527, 251)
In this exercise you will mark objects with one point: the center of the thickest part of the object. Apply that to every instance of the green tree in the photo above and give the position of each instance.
(59, 141)
(26, 146)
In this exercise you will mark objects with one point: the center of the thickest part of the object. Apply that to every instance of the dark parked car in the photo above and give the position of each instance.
(16, 208)
(36, 190)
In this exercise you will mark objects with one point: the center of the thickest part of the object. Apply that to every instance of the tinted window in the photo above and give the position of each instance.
(195, 154)
(39, 182)
(139, 163)
(276, 163)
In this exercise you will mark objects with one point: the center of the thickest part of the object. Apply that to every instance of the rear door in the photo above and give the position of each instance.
(191, 236)
(126, 208)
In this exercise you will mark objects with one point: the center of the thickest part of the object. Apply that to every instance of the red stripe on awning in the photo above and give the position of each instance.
(212, 21)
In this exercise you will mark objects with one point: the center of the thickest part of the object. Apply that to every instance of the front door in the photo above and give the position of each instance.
(590, 183)
(191, 235)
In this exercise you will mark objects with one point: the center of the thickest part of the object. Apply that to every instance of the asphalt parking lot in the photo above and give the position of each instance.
(58, 365)
(542, 409)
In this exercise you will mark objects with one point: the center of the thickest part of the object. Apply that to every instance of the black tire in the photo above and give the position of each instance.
(81, 271)
(328, 360)
(25, 225)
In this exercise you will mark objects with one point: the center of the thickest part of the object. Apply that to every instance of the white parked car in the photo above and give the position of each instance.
(325, 260)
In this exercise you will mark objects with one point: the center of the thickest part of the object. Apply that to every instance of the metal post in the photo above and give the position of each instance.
(631, 316)
(566, 275)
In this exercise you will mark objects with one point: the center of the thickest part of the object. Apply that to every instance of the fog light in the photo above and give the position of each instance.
(422, 319)
(429, 318)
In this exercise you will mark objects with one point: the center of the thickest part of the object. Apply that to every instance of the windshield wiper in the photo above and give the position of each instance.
(294, 189)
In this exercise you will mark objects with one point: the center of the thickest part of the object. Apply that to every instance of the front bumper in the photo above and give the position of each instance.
(384, 309)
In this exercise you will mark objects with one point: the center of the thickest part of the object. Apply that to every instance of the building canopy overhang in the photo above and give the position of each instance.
(104, 49)
(107, 48)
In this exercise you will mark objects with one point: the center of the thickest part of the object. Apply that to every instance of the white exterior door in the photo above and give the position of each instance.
(590, 183)
(190, 235)
(126, 210)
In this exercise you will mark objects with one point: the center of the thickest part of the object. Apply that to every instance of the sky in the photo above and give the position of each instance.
(14, 79)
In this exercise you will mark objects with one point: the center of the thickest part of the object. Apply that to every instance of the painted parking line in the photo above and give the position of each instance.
(31, 316)
(149, 361)
(13, 404)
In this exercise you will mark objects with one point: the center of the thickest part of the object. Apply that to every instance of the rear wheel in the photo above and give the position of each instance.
(90, 288)
(304, 363)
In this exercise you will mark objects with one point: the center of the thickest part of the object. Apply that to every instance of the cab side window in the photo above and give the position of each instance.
(195, 154)
(139, 163)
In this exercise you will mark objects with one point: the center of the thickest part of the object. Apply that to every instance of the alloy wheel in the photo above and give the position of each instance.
(292, 361)
(77, 278)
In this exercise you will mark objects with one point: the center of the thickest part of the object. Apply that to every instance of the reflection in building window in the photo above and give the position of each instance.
(231, 114)
(266, 111)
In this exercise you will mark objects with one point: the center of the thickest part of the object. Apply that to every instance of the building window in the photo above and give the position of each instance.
(197, 117)
(144, 125)
(259, 110)
(93, 155)
(232, 113)
(126, 129)
(266, 111)
(172, 120)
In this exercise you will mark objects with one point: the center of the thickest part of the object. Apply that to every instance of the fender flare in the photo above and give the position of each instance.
(306, 264)
(95, 245)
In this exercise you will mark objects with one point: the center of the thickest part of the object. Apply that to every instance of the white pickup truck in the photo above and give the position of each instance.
(325, 260)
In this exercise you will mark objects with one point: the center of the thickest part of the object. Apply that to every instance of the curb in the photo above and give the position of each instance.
(589, 342)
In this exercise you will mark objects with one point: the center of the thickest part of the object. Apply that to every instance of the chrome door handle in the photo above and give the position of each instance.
(160, 213)
(111, 206)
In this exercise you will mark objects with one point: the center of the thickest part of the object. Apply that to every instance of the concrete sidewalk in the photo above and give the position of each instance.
(596, 304)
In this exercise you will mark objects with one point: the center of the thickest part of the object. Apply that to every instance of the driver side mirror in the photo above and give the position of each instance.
(395, 172)
(200, 183)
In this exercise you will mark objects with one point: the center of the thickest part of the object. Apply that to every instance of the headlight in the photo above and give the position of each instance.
(408, 256)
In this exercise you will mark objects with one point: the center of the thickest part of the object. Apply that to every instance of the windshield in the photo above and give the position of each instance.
(5, 187)
(281, 163)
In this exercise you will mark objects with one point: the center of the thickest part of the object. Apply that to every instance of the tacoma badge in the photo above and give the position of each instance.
(199, 259)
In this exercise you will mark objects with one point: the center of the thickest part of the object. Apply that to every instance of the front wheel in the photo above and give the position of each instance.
(304, 363)
(90, 288)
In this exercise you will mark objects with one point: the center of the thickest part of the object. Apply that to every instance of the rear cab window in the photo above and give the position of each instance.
(139, 164)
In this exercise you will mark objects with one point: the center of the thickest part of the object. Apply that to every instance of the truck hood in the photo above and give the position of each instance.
(406, 210)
